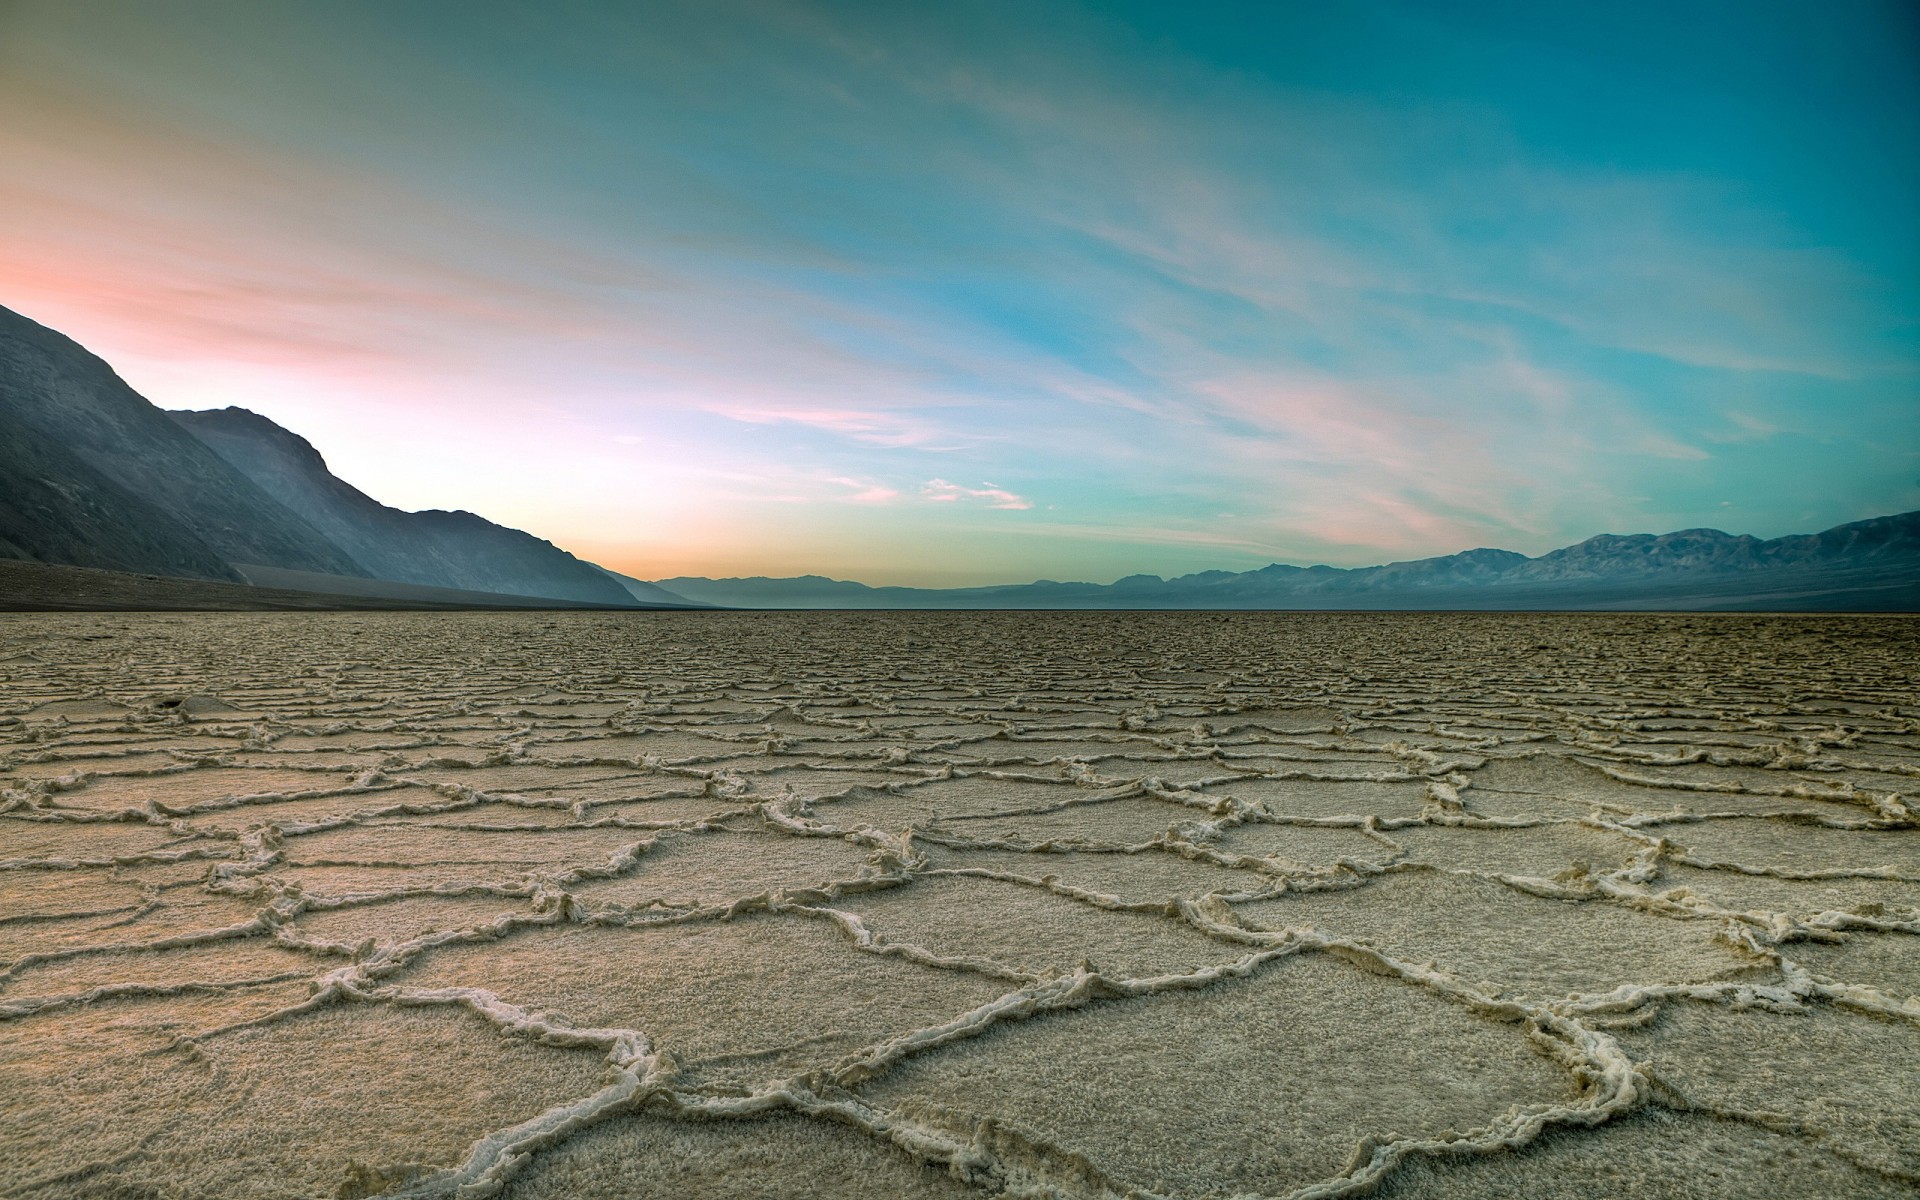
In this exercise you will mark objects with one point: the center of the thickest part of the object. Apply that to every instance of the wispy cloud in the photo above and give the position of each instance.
(872, 427)
(799, 269)
(939, 491)
(865, 491)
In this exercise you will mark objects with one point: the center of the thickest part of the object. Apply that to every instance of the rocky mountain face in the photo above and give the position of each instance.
(1890, 540)
(1871, 565)
(96, 476)
(434, 547)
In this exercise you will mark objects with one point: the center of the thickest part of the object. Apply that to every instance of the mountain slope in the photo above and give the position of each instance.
(96, 476)
(644, 592)
(45, 587)
(435, 547)
(1872, 565)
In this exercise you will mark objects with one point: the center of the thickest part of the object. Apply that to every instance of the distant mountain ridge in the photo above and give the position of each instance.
(96, 476)
(434, 547)
(646, 593)
(1872, 564)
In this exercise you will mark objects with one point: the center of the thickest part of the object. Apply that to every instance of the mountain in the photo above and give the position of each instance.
(95, 476)
(649, 593)
(434, 547)
(812, 591)
(1866, 565)
(43, 587)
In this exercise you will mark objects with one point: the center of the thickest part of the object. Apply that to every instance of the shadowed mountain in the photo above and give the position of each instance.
(648, 593)
(96, 476)
(435, 548)
(1871, 565)
(45, 587)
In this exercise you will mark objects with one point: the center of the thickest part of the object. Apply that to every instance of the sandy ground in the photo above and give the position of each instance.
(900, 905)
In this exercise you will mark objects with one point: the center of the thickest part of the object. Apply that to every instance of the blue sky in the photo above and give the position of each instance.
(988, 292)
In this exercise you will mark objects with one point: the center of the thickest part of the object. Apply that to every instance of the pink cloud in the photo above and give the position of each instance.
(873, 427)
(865, 491)
(939, 491)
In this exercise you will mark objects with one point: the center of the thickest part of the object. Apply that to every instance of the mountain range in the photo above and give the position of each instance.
(97, 477)
(1871, 565)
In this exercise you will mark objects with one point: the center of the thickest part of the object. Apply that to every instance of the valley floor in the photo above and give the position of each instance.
(737, 905)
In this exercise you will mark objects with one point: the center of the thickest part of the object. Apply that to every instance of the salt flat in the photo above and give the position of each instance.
(940, 904)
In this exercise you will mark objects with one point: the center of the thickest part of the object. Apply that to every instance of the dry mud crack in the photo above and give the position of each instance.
(881, 905)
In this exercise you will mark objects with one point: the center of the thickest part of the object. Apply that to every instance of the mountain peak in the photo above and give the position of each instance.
(99, 477)
(234, 421)
(1872, 564)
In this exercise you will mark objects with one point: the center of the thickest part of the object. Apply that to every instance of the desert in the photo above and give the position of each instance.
(597, 904)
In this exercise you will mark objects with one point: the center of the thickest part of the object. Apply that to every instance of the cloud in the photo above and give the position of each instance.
(1661, 446)
(1742, 427)
(865, 491)
(872, 427)
(939, 491)
(1366, 326)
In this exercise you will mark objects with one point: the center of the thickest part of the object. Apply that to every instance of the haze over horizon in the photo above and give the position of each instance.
(991, 293)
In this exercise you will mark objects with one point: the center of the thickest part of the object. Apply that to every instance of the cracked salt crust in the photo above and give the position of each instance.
(1071, 905)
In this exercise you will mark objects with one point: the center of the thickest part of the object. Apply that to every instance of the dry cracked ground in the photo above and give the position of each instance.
(883, 905)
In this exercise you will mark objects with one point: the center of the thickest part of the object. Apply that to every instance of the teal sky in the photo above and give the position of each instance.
(972, 292)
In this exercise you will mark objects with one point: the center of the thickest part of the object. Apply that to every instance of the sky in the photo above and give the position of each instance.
(953, 294)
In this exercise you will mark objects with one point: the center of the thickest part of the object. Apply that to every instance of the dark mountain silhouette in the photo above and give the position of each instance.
(44, 587)
(435, 548)
(1871, 565)
(96, 476)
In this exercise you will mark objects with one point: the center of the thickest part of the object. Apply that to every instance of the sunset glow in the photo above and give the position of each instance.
(985, 293)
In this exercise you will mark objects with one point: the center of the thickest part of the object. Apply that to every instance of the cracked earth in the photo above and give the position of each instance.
(938, 905)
